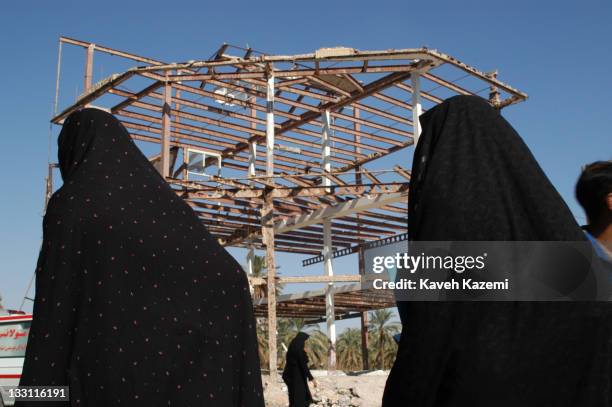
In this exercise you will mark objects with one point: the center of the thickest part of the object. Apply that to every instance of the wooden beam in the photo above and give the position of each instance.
(341, 209)
(363, 318)
(285, 73)
(416, 110)
(368, 90)
(268, 240)
(320, 279)
(267, 225)
(165, 135)
(89, 67)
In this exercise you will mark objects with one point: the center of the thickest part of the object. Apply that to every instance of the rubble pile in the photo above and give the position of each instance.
(338, 398)
(355, 389)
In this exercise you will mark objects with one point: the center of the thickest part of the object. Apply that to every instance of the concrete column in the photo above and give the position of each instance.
(330, 315)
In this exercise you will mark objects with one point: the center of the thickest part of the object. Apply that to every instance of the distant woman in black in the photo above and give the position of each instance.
(297, 374)
(136, 303)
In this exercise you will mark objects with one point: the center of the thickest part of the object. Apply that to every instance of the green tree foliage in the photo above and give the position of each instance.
(316, 348)
(259, 265)
(348, 350)
(381, 346)
(287, 329)
(262, 341)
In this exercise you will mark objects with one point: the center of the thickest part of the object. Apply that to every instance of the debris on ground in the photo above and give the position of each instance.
(355, 389)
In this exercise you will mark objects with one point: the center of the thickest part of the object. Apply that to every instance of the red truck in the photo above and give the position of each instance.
(14, 330)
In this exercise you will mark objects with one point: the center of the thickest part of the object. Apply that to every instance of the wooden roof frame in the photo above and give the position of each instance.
(308, 84)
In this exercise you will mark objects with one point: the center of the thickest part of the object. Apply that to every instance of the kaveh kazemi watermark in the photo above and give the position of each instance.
(489, 271)
(453, 264)
(427, 284)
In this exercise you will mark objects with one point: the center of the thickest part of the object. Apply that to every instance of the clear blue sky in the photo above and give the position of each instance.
(558, 52)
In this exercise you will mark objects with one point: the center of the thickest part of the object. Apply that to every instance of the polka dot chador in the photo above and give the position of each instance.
(136, 303)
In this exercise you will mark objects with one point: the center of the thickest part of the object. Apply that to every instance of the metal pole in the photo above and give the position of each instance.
(57, 77)
(416, 106)
(48, 193)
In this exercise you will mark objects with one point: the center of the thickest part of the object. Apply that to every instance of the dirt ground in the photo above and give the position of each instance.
(362, 389)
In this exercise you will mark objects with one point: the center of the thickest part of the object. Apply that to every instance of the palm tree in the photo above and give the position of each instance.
(381, 341)
(349, 349)
(259, 291)
(262, 341)
(317, 347)
(287, 329)
(259, 265)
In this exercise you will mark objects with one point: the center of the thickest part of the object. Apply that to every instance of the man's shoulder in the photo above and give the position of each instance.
(599, 248)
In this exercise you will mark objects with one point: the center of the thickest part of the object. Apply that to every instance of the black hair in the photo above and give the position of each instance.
(594, 183)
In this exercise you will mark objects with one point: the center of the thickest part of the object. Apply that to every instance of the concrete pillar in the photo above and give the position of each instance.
(330, 316)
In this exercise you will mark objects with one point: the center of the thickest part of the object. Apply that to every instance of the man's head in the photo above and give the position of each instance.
(594, 192)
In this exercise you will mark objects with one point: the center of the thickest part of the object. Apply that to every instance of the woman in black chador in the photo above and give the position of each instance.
(136, 303)
(473, 179)
(296, 373)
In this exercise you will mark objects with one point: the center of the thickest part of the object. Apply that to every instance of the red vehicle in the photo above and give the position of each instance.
(14, 330)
